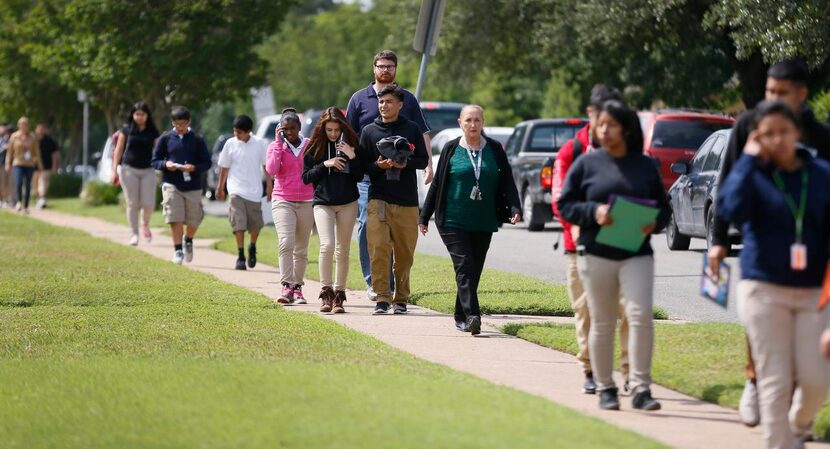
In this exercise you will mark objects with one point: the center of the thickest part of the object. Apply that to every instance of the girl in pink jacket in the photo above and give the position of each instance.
(291, 205)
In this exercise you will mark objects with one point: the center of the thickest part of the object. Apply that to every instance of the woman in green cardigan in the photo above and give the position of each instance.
(473, 191)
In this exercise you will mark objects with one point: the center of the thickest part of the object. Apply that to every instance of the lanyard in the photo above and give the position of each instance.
(476, 168)
(798, 214)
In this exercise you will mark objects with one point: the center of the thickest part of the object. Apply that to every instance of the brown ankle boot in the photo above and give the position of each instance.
(326, 299)
(339, 299)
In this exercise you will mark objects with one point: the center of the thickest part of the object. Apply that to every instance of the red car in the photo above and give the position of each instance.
(674, 136)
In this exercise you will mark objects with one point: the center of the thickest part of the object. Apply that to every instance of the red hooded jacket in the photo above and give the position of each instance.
(564, 160)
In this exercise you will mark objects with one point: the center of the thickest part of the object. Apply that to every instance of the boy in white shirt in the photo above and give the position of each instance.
(241, 163)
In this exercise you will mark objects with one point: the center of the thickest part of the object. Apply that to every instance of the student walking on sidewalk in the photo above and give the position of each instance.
(473, 191)
(291, 205)
(392, 221)
(585, 142)
(331, 164)
(777, 193)
(133, 154)
(241, 163)
(619, 169)
(23, 155)
(183, 157)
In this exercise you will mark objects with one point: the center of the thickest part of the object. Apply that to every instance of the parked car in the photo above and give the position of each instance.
(693, 195)
(532, 143)
(441, 115)
(670, 136)
(501, 134)
(212, 178)
(268, 125)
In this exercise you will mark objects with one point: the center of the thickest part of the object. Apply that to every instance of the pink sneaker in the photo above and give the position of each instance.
(148, 236)
(298, 295)
(287, 295)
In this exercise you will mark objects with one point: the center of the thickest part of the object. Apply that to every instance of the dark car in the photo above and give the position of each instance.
(533, 143)
(441, 115)
(692, 196)
(670, 136)
(212, 178)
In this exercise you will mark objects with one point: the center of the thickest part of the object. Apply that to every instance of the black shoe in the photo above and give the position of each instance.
(240, 263)
(251, 256)
(627, 387)
(644, 401)
(381, 308)
(400, 308)
(590, 386)
(608, 399)
(474, 324)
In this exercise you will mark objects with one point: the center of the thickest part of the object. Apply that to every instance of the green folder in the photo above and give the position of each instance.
(629, 217)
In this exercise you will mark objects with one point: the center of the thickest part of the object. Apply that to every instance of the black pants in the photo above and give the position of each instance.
(467, 251)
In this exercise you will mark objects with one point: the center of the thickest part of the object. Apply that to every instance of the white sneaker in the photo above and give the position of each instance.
(188, 251)
(41, 203)
(134, 240)
(370, 292)
(748, 408)
(178, 257)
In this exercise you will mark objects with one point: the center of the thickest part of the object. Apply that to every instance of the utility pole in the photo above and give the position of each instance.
(426, 36)
(84, 98)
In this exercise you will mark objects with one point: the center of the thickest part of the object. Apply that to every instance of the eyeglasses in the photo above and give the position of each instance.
(386, 67)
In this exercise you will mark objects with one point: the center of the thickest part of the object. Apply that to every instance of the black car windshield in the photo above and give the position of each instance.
(685, 134)
(439, 119)
(547, 138)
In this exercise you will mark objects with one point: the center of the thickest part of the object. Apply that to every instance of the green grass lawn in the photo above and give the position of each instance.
(137, 353)
(211, 227)
(704, 360)
(432, 277)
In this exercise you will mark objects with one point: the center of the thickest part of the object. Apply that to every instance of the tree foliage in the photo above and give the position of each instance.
(120, 51)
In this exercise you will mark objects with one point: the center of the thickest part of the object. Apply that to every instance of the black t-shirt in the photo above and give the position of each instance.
(47, 147)
(138, 151)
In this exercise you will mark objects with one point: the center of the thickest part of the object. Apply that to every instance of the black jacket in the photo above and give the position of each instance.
(331, 186)
(404, 191)
(814, 134)
(507, 200)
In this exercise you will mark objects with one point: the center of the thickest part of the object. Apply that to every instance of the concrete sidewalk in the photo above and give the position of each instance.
(684, 422)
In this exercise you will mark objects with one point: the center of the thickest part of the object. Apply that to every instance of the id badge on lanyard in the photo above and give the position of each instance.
(475, 194)
(27, 155)
(798, 250)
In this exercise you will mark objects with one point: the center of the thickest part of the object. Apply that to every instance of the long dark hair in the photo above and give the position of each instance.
(627, 117)
(319, 141)
(151, 125)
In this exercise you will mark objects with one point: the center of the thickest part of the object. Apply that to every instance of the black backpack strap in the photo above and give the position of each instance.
(577, 145)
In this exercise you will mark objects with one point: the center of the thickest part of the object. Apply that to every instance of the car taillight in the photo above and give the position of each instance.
(547, 177)
(573, 121)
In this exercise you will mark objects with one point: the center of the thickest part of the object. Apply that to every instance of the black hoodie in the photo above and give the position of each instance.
(331, 186)
(402, 192)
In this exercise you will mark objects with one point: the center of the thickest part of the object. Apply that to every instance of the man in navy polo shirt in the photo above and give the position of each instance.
(363, 110)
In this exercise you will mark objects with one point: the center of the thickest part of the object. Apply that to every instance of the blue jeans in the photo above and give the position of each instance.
(23, 176)
(362, 242)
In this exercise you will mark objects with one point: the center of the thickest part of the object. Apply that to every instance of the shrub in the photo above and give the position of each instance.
(65, 185)
(821, 106)
(97, 193)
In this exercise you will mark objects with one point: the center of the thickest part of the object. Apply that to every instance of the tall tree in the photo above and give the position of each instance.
(194, 52)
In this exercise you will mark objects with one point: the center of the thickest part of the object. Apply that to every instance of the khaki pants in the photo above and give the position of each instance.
(139, 186)
(182, 206)
(335, 225)
(391, 230)
(604, 281)
(579, 304)
(294, 221)
(784, 327)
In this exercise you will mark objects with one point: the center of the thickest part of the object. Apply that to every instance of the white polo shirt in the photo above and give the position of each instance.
(244, 161)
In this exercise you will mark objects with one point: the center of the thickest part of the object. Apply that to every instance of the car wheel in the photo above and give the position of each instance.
(710, 231)
(529, 214)
(676, 240)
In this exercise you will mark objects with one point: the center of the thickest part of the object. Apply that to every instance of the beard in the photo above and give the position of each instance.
(385, 78)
